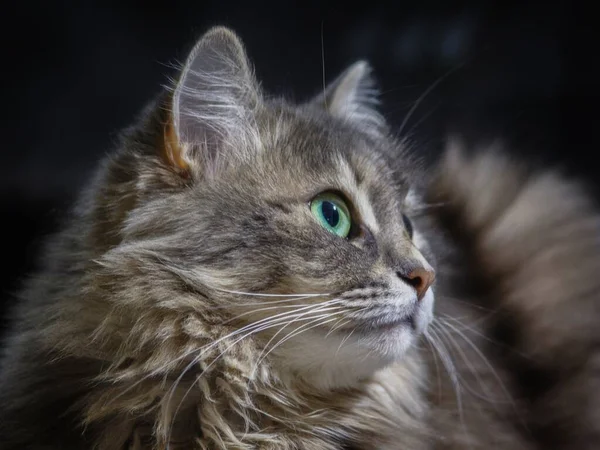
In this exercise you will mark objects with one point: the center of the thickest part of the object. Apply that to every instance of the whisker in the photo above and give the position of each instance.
(323, 66)
(257, 328)
(297, 307)
(473, 305)
(443, 353)
(486, 362)
(301, 330)
(203, 349)
(155, 372)
(229, 304)
(336, 327)
(437, 368)
(253, 328)
(473, 330)
(259, 359)
(425, 94)
(344, 341)
(421, 120)
(431, 335)
(258, 294)
(488, 398)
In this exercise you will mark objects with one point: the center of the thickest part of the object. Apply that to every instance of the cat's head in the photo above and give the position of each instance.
(288, 222)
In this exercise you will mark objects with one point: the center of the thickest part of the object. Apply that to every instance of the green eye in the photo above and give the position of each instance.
(332, 213)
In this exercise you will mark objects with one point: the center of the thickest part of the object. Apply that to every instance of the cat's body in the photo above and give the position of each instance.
(192, 298)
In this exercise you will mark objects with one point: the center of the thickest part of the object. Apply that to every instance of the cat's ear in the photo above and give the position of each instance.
(354, 96)
(214, 97)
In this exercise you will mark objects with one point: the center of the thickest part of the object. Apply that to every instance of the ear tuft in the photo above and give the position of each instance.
(354, 96)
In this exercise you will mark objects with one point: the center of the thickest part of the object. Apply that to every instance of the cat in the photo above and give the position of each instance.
(247, 273)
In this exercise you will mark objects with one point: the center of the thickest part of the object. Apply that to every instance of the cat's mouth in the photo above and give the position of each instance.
(412, 317)
(382, 324)
(384, 320)
(385, 324)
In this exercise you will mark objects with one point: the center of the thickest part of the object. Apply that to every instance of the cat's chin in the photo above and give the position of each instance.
(333, 360)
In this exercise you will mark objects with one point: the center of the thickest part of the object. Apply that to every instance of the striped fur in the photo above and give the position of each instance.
(191, 300)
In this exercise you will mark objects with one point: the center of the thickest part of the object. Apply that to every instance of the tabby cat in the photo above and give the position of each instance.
(247, 273)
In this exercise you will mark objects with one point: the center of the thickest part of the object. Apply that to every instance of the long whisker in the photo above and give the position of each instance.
(442, 351)
(259, 359)
(187, 368)
(485, 361)
(256, 327)
(431, 335)
(350, 333)
(473, 330)
(296, 307)
(437, 367)
(470, 304)
(301, 329)
(251, 328)
(290, 335)
(451, 341)
(344, 341)
(258, 294)
(203, 349)
(337, 326)
(229, 304)
(422, 119)
(508, 398)
(425, 94)
(323, 66)
(274, 302)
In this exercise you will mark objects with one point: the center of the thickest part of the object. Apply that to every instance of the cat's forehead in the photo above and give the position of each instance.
(306, 143)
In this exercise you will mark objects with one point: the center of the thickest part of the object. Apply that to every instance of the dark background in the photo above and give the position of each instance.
(74, 74)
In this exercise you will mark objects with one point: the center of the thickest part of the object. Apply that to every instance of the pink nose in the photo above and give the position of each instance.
(420, 278)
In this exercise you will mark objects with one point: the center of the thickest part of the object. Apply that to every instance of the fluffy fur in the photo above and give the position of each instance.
(193, 301)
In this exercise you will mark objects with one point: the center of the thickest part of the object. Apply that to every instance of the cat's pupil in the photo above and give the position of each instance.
(330, 213)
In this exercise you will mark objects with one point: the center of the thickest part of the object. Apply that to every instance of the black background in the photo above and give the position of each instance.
(74, 73)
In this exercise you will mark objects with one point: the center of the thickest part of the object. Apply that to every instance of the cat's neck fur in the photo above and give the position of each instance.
(264, 407)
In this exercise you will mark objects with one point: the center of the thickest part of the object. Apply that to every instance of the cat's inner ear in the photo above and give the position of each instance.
(212, 102)
(353, 96)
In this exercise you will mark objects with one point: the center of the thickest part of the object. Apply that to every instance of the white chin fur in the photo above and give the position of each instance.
(343, 359)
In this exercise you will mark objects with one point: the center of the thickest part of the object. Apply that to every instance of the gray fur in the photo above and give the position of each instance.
(197, 228)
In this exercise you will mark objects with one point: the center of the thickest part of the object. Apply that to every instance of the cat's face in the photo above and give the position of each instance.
(295, 220)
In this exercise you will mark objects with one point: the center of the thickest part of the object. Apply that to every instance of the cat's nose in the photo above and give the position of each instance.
(421, 278)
